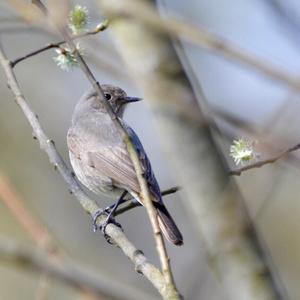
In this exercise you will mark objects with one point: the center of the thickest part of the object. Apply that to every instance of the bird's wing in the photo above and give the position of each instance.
(146, 165)
(115, 162)
(110, 161)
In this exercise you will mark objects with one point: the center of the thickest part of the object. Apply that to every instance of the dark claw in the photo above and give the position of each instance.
(103, 229)
(97, 214)
(109, 220)
(109, 212)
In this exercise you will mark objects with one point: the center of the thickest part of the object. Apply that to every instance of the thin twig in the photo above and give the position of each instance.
(238, 172)
(171, 190)
(100, 27)
(135, 204)
(90, 206)
(65, 270)
(145, 194)
(199, 36)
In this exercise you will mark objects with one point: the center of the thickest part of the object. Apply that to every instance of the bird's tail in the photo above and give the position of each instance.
(167, 225)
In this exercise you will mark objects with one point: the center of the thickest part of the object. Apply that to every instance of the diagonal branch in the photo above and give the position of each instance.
(100, 27)
(90, 206)
(132, 205)
(238, 172)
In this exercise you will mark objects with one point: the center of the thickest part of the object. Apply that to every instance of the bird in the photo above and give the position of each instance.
(101, 161)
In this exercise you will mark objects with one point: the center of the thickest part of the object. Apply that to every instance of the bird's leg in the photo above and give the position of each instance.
(109, 211)
(112, 211)
(119, 202)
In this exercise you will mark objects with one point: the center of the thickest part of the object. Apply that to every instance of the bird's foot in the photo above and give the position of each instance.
(109, 220)
(96, 215)
(103, 229)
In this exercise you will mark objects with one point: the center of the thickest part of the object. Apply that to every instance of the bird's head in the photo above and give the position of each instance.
(89, 103)
(117, 98)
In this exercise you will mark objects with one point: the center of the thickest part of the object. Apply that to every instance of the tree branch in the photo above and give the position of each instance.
(132, 205)
(100, 27)
(239, 171)
(90, 206)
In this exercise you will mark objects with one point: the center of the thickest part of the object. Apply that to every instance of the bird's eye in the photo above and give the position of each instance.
(107, 96)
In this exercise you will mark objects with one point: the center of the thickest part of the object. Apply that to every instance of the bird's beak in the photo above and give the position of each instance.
(132, 99)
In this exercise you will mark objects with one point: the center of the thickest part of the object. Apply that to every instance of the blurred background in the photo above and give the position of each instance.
(243, 103)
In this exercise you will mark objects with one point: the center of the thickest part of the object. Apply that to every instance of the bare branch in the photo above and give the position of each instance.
(100, 27)
(132, 205)
(238, 172)
(171, 190)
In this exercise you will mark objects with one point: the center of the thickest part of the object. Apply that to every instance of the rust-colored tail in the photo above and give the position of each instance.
(167, 225)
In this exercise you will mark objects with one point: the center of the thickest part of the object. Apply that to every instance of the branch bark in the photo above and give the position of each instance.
(100, 27)
(132, 204)
(212, 199)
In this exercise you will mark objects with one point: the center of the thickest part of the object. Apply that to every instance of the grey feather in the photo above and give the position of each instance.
(100, 158)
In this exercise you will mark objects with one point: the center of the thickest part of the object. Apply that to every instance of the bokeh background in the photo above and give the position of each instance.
(243, 102)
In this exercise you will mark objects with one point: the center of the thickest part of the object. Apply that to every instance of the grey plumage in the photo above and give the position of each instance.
(100, 158)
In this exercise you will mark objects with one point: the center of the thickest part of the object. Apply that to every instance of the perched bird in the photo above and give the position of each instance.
(100, 158)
